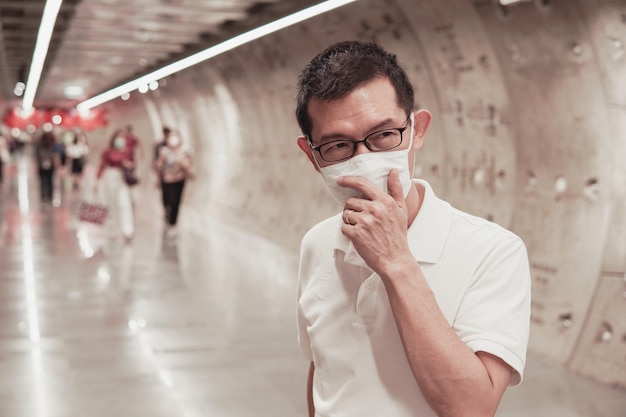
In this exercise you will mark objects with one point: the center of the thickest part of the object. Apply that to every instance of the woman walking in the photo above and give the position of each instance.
(111, 187)
(173, 165)
(76, 150)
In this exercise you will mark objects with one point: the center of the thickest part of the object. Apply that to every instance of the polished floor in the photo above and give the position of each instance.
(201, 324)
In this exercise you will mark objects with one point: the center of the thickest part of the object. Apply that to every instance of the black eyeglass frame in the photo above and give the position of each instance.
(355, 143)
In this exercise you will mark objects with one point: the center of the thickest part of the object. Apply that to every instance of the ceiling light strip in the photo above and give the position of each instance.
(510, 2)
(49, 18)
(213, 51)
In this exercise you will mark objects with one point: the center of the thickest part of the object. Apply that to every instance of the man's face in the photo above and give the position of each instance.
(369, 108)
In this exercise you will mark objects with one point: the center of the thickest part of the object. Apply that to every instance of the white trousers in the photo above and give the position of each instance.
(115, 193)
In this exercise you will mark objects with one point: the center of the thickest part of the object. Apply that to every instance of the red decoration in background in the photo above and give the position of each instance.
(95, 119)
(14, 118)
(69, 118)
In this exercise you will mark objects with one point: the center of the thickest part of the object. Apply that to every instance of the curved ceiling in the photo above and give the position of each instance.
(98, 44)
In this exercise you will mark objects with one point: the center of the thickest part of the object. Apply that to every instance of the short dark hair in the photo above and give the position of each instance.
(341, 68)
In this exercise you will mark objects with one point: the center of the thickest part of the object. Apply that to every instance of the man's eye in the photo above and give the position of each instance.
(334, 146)
(383, 134)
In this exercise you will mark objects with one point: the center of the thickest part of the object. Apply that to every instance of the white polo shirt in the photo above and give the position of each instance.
(480, 276)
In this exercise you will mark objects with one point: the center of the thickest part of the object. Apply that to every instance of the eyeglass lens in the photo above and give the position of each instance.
(383, 140)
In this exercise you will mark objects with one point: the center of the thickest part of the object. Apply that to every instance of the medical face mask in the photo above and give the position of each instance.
(173, 141)
(374, 166)
(119, 143)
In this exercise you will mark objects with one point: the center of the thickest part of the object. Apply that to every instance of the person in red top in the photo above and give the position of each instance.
(133, 145)
(111, 187)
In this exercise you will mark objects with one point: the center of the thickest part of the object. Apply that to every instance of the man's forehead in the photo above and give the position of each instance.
(356, 124)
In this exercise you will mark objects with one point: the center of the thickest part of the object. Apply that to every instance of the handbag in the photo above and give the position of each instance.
(129, 176)
(93, 212)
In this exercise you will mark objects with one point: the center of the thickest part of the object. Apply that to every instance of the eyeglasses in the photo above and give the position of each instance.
(342, 149)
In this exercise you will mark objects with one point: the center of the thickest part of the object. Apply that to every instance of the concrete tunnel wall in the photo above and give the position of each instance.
(529, 130)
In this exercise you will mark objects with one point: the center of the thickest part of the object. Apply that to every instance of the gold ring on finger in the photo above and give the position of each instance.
(348, 214)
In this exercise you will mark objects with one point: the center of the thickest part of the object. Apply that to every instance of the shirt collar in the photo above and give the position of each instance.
(429, 231)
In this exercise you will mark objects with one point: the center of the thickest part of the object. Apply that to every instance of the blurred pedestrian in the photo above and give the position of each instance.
(76, 151)
(133, 145)
(59, 147)
(174, 166)
(48, 160)
(160, 144)
(157, 151)
(112, 189)
(5, 156)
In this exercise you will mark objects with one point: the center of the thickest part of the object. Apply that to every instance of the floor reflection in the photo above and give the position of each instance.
(199, 325)
(117, 329)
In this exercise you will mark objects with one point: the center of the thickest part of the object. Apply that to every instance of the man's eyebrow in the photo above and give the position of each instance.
(337, 136)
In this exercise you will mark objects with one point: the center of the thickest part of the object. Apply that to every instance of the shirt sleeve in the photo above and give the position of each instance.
(494, 316)
(302, 324)
(303, 337)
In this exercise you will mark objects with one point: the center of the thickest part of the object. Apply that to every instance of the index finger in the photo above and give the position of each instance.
(366, 187)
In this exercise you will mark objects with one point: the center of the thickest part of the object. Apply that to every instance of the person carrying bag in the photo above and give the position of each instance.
(113, 189)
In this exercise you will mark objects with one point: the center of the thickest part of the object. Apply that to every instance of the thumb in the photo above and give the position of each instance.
(395, 186)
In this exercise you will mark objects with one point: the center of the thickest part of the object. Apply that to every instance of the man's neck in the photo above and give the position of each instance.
(414, 202)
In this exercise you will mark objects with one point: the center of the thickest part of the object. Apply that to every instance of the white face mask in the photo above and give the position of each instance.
(374, 166)
(173, 141)
(119, 142)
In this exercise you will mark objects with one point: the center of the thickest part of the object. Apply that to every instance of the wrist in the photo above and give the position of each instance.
(400, 269)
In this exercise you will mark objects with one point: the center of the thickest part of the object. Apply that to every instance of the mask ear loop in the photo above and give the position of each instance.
(313, 152)
(412, 119)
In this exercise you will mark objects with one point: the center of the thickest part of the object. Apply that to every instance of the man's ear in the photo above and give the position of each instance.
(421, 120)
(303, 143)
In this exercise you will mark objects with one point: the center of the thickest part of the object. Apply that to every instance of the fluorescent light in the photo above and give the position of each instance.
(48, 20)
(213, 51)
(74, 91)
(508, 2)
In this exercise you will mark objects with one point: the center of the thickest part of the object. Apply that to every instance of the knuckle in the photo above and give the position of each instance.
(367, 221)
(378, 209)
(374, 210)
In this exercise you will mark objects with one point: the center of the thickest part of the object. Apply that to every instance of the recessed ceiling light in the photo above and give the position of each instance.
(18, 90)
(509, 2)
(74, 91)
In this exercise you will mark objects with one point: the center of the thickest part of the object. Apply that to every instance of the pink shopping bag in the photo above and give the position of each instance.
(92, 212)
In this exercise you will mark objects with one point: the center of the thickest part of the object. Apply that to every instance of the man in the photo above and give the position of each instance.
(406, 306)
